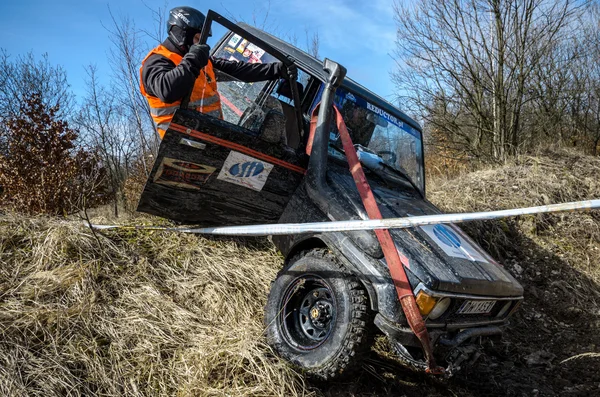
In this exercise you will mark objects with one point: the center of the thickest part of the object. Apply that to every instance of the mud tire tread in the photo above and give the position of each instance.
(357, 340)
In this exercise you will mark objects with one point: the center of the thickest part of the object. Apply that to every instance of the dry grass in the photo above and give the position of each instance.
(553, 177)
(556, 257)
(134, 314)
(161, 314)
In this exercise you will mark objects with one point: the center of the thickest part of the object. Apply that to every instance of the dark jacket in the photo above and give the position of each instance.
(169, 82)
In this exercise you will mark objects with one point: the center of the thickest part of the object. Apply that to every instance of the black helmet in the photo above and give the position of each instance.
(183, 24)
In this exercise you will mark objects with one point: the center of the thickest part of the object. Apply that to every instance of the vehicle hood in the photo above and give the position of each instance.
(442, 257)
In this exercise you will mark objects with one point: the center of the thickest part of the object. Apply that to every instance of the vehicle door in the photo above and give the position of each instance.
(238, 169)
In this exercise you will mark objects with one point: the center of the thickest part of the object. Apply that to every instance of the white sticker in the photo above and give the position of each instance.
(234, 41)
(194, 144)
(256, 50)
(245, 171)
(452, 243)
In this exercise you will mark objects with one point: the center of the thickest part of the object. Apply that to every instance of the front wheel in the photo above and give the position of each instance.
(317, 315)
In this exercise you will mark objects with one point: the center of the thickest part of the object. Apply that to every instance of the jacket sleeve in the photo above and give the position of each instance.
(248, 72)
(167, 82)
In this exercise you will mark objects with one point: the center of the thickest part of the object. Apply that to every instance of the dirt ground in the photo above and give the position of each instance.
(550, 347)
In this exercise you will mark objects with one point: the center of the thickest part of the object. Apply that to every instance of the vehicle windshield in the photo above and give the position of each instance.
(398, 144)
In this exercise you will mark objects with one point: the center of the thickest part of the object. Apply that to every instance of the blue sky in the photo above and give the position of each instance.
(359, 34)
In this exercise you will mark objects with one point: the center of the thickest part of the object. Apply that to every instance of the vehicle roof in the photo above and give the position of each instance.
(315, 68)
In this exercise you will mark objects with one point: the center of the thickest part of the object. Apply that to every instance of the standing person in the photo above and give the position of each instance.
(170, 70)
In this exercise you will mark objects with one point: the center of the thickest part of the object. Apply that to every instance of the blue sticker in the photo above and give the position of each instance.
(453, 243)
(446, 236)
(246, 170)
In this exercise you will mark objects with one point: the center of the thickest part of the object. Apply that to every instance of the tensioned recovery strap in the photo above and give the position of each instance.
(392, 258)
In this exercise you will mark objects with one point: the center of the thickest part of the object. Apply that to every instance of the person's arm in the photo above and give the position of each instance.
(170, 83)
(250, 72)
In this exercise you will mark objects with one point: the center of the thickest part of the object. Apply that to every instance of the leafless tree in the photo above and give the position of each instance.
(25, 76)
(312, 43)
(105, 128)
(584, 106)
(125, 57)
(467, 66)
(158, 16)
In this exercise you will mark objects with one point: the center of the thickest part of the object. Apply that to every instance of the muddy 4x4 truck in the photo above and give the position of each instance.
(252, 167)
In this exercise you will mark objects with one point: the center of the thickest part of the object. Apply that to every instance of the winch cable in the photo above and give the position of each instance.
(392, 258)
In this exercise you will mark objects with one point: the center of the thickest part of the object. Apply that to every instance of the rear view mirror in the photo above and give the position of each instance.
(373, 118)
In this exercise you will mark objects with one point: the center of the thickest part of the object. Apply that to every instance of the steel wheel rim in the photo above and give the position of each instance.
(308, 312)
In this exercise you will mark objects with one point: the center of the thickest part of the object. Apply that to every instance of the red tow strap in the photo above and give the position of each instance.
(403, 288)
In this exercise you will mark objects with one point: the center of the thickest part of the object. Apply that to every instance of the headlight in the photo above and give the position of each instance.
(504, 309)
(440, 308)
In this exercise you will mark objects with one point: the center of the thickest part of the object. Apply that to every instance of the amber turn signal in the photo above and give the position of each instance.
(425, 302)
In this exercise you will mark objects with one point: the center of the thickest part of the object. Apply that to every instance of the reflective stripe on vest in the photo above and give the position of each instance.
(204, 98)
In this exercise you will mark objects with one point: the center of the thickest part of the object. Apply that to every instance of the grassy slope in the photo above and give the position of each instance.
(555, 257)
(148, 313)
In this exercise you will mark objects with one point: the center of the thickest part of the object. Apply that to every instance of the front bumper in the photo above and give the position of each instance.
(449, 347)
(449, 337)
(453, 320)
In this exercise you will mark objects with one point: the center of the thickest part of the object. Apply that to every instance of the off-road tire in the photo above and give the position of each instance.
(348, 337)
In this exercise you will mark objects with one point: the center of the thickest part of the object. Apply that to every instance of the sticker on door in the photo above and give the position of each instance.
(246, 171)
(182, 174)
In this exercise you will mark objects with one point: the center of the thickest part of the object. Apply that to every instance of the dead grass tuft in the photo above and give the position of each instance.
(553, 177)
(135, 313)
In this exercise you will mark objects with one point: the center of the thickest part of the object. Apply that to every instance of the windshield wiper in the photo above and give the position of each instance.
(376, 164)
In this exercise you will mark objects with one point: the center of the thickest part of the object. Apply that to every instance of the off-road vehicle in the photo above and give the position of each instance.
(253, 167)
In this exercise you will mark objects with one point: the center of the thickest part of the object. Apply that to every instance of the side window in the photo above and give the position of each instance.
(266, 108)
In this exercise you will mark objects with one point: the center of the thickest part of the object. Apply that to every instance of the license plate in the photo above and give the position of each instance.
(476, 307)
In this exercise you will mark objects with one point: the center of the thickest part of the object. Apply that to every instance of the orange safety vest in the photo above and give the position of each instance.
(204, 98)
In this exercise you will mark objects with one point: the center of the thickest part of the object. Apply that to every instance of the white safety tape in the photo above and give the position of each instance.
(389, 223)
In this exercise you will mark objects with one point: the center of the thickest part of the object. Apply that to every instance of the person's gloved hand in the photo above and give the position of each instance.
(199, 54)
(290, 72)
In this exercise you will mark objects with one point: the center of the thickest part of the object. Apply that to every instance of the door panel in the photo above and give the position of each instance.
(210, 172)
(234, 171)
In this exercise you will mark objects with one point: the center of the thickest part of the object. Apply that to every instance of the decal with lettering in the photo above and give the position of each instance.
(254, 59)
(182, 174)
(234, 41)
(342, 96)
(384, 114)
(256, 51)
(246, 171)
(242, 46)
